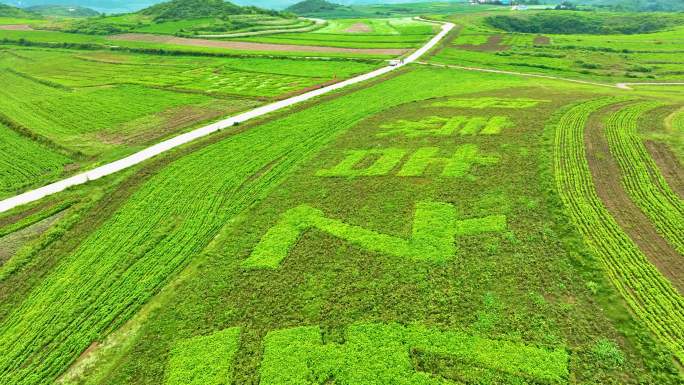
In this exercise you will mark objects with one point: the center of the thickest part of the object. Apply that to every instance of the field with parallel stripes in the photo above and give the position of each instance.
(432, 225)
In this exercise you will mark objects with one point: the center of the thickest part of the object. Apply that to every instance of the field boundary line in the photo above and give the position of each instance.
(526, 74)
(626, 86)
(318, 24)
(169, 144)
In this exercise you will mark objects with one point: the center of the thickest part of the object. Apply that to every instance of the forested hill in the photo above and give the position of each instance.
(593, 23)
(8, 11)
(637, 5)
(313, 6)
(197, 9)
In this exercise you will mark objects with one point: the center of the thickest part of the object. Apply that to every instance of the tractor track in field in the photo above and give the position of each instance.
(180, 140)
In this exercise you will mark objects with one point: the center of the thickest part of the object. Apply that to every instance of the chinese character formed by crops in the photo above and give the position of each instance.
(371, 354)
(456, 165)
(435, 226)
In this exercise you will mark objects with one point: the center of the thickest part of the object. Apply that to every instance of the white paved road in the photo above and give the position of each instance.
(180, 140)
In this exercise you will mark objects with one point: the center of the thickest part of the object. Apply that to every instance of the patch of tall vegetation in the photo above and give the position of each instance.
(197, 9)
(314, 6)
(582, 23)
(9, 11)
(638, 5)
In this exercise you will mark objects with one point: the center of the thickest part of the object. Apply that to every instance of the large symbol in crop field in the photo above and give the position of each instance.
(440, 126)
(481, 103)
(432, 239)
(456, 165)
(372, 354)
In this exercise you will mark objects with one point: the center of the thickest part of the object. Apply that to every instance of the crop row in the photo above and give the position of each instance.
(641, 176)
(170, 218)
(23, 161)
(651, 297)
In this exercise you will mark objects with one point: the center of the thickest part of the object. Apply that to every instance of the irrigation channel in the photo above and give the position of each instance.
(159, 148)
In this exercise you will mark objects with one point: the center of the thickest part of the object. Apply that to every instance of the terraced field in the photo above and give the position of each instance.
(359, 33)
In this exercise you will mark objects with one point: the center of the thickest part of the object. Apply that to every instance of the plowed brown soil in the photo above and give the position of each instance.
(359, 28)
(608, 181)
(493, 44)
(16, 27)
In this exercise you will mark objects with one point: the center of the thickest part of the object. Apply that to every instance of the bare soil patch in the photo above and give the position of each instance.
(359, 28)
(493, 44)
(11, 243)
(542, 40)
(168, 122)
(669, 165)
(608, 181)
(16, 27)
(247, 46)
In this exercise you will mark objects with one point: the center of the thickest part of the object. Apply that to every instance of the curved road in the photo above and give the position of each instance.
(139, 157)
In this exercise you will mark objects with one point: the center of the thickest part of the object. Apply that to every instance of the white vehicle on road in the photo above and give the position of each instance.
(159, 148)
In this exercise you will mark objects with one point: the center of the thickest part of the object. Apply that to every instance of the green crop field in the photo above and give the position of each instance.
(358, 33)
(492, 214)
(88, 106)
(653, 56)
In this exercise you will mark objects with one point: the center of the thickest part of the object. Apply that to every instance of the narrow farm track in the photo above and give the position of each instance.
(622, 86)
(652, 298)
(641, 176)
(525, 74)
(180, 140)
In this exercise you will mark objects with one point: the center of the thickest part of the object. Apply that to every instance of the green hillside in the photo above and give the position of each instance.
(584, 23)
(63, 11)
(197, 9)
(8, 11)
(314, 6)
(638, 5)
(191, 17)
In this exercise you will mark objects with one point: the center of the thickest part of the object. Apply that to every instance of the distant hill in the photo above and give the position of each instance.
(637, 5)
(8, 11)
(313, 6)
(63, 11)
(197, 9)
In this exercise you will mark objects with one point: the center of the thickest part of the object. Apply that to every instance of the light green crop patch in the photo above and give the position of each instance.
(204, 360)
(377, 354)
(481, 103)
(457, 165)
(439, 126)
(385, 160)
(432, 239)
